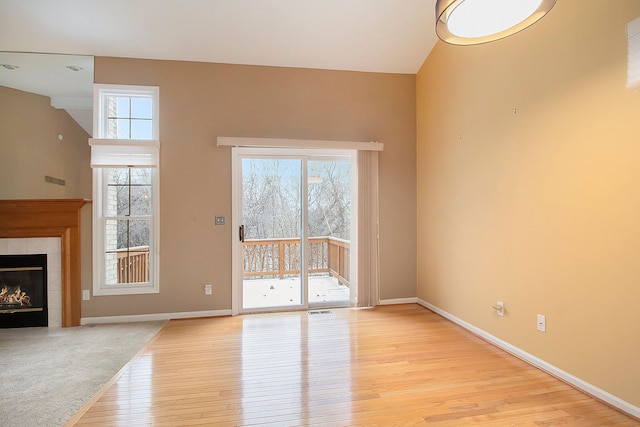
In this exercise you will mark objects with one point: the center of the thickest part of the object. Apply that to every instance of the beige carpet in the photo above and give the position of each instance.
(48, 374)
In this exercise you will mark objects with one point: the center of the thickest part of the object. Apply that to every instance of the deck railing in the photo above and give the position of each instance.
(133, 265)
(281, 257)
(262, 258)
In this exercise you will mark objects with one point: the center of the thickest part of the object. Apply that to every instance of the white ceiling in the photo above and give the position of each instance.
(61, 77)
(390, 36)
(385, 36)
(66, 79)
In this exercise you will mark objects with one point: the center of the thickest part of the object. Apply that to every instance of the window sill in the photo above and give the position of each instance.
(126, 290)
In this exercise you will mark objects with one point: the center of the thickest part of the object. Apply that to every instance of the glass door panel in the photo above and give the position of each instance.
(329, 234)
(272, 251)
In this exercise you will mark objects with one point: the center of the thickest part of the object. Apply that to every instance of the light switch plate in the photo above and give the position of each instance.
(221, 220)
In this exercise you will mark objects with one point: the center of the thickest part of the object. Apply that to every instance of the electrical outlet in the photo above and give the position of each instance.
(86, 295)
(542, 323)
(208, 289)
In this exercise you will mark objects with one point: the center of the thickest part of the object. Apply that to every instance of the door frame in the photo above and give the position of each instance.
(237, 154)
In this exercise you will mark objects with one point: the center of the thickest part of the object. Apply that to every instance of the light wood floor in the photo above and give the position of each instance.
(393, 365)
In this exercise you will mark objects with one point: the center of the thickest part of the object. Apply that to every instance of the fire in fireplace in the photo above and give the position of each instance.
(23, 291)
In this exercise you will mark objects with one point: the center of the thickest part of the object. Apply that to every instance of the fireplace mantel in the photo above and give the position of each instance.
(51, 218)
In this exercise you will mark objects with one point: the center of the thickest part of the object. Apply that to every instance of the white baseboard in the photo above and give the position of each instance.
(154, 316)
(539, 363)
(394, 301)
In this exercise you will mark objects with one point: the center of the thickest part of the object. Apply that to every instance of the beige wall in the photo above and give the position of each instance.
(200, 102)
(29, 129)
(541, 208)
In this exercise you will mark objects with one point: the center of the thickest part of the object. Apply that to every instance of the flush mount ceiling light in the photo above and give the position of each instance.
(466, 22)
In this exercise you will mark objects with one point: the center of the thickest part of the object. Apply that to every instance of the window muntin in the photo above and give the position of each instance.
(129, 191)
(129, 117)
(127, 112)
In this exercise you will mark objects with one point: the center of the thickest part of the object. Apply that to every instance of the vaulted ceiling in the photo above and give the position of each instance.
(390, 36)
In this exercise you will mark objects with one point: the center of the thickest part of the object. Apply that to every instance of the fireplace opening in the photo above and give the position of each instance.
(23, 291)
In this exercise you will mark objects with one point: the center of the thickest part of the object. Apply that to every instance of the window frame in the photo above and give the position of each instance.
(100, 116)
(100, 183)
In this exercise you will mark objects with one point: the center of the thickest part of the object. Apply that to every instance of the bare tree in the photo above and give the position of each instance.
(132, 190)
(330, 199)
(271, 198)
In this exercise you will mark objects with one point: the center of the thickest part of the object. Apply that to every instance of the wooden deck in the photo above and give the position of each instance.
(324, 290)
(393, 365)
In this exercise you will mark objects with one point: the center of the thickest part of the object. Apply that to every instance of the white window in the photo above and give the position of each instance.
(633, 63)
(125, 162)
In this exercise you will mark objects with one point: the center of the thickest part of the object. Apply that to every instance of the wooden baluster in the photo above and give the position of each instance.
(146, 267)
(297, 253)
(340, 266)
(281, 259)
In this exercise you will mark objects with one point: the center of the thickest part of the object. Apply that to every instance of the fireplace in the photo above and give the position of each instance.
(44, 218)
(23, 290)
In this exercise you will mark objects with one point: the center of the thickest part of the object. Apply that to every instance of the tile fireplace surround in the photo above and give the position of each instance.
(51, 227)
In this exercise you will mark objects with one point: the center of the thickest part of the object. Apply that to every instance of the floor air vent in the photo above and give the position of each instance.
(320, 312)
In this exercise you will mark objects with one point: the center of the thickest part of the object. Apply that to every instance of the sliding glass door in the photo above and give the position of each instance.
(292, 210)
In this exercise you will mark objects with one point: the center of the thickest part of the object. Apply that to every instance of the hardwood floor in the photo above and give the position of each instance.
(393, 365)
